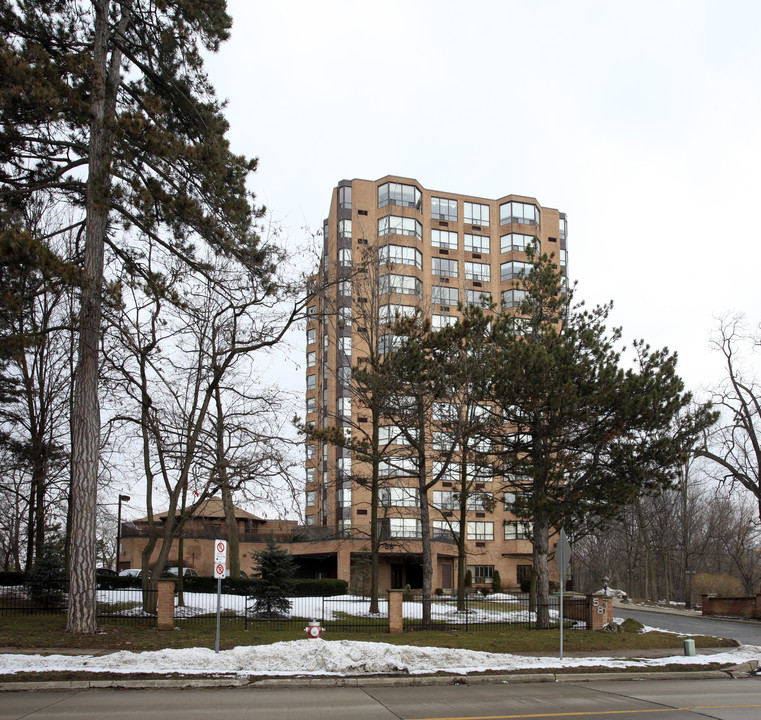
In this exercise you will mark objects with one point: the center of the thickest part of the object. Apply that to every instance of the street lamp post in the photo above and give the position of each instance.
(690, 574)
(122, 498)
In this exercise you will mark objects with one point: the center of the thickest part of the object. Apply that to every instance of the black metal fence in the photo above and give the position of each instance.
(345, 612)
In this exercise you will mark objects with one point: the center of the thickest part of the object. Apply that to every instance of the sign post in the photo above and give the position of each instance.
(220, 565)
(562, 556)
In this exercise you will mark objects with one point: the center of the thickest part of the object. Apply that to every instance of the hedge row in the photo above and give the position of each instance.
(324, 587)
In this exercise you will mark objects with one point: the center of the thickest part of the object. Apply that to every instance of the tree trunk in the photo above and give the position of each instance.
(462, 561)
(374, 535)
(541, 565)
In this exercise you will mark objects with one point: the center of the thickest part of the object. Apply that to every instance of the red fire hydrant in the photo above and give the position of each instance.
(314, 630)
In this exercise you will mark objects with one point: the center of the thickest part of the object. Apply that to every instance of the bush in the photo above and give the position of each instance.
(11, 577)
(439, 591)
(468, 579)
(526, 585)
(115, 582)
(320, 587)
(721, 584)
(496, 582)
(47, 578)
(408, 592)
(630, 625)
(485, 591)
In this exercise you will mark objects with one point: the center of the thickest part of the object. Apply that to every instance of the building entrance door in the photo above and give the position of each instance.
(397, 576)
(446, 576)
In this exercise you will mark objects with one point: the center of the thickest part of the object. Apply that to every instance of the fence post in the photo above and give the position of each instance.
(165, 604)
(395, 608)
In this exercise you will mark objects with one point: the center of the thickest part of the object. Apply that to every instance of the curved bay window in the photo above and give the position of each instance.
(392, 193)
(518, 212)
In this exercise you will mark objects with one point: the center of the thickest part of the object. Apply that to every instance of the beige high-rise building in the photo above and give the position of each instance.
(394, 248)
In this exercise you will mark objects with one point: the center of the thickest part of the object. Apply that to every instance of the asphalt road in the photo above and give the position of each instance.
(652, 699)
(748, 633)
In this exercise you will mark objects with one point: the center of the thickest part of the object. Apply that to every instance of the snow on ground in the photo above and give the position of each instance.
(339, 657)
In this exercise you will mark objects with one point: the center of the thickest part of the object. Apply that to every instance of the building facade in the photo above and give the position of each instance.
(392, 248)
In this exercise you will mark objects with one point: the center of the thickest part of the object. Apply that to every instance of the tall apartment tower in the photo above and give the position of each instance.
(391, 247)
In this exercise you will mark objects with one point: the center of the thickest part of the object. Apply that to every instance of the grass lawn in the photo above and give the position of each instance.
(48, 631)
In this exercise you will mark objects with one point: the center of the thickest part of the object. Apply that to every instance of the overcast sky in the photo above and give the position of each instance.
(640, 121)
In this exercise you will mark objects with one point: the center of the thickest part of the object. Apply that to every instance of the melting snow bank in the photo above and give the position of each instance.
(338, 657)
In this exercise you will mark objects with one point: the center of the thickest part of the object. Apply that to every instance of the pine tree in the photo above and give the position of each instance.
(274, 568)
(584, 434)
(107, 105)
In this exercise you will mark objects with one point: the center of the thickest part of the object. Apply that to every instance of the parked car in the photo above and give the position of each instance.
(242, 574)
(131, 572)
(105, 572)
(174, 572)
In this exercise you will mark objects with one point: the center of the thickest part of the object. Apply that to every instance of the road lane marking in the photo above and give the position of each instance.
(589, 713)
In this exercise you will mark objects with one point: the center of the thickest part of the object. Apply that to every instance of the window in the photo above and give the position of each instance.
(389, 343)
(481, 502)
(398, 497)
(310, 475)
(311, 312)
(344, 229)
(400, 255)
(480, 530)
(445, 412)
(311, 358)
(311, 336)
(481, 574)
(444, 209)
(517, 212)
(398, 466)
(403, 284)
(477, 297)
(443, 531)
(444, 267)
(444, 239)
(445, 500)
(515, 500)
(517, 242)
(514, 269)
(475, 214)
(563, 228)
(390, 311)
(310, 498)
(344, 376)
(343, 497)
(523, 573)
(344, 197)
(477, 271)
(477, 243)
(311, 405)
(344, 288)
(444, 295)
(343, 467)
(450, 474)
(344, 257)
(309, 519)
(563, 258)
(403, 527)
(441, 321)
(344, 317)
(479, 473)
(517, 530)
(399, 194)
(444, 441)
(391, 435)
(311, 382)
(394, 225)
(310, 451)
(343, 407)
(344, 345)
(513, 298)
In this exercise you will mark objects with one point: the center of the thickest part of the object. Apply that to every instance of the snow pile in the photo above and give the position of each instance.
(612, 592)
(340, 657)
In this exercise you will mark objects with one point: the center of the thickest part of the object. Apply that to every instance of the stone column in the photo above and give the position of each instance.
(165, 604)
(600, 609)
(395, 615)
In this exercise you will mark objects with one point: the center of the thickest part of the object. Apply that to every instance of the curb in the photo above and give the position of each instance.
(737, 671)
